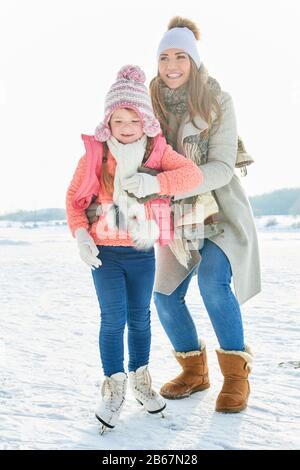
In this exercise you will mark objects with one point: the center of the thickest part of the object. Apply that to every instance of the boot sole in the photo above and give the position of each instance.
(231, 410)
(152, 412)
(180, 397)
(103, 422)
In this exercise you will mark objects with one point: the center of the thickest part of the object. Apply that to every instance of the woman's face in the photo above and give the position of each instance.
(126, 125)
(174, 67)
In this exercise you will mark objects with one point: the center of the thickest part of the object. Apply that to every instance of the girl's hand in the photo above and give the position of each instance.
(141, 184)
(88, 250)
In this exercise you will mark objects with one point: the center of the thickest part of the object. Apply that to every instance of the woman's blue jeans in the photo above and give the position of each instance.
(124, 285)
(214, 278)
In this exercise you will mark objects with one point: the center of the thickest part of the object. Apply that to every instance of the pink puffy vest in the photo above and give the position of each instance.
(90, 185)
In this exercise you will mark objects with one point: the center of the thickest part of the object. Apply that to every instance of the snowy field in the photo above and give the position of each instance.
(50, 373)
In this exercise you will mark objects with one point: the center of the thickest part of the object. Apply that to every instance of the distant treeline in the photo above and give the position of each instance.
(280, 202)
(41, 215)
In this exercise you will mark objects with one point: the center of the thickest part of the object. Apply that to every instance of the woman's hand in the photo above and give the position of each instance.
(88, 250)
(141, 184)
(93, 212)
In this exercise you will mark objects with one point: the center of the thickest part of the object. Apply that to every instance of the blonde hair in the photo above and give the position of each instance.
(201, 100)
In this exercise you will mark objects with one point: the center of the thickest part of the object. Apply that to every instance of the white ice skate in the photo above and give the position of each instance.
(113, 393)
(140, 385)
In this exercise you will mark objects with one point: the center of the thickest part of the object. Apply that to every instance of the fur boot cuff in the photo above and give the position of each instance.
(191, 353)
(247, 355)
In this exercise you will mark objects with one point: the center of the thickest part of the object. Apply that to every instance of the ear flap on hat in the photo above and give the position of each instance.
(102, 132)
(151, 126)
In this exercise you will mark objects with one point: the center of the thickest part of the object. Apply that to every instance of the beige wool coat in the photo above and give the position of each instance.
(239, 238)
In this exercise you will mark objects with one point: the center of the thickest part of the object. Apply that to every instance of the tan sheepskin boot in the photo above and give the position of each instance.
(235, 367)
(193, 378)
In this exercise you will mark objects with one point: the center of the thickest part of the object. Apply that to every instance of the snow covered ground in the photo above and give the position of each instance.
(50, 373)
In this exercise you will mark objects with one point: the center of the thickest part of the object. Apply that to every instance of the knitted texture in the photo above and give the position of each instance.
(76, 218)
(180, 38)
(130, 92)
(178, 172)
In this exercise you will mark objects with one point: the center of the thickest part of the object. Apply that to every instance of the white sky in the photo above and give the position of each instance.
(58, 58)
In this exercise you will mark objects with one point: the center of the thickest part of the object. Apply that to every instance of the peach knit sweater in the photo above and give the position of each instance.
(178, 175)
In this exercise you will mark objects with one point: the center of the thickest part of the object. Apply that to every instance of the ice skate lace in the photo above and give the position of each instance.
(144, 385)
(110, 394)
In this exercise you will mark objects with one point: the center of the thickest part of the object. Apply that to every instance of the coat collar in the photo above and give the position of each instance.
(187, 128)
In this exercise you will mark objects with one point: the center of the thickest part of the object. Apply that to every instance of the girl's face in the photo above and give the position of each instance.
(126, 125)
(174, 67)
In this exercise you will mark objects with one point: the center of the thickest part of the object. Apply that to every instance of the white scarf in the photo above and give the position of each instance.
(129, 157)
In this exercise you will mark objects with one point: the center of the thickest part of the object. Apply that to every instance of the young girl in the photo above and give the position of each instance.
(120, 253)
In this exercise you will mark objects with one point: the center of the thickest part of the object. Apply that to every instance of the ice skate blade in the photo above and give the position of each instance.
(105, 426)
(103, 429)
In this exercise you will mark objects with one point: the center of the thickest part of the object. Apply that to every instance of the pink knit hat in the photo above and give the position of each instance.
(130, 92)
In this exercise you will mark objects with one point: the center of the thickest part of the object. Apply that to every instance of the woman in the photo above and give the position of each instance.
(198, 120)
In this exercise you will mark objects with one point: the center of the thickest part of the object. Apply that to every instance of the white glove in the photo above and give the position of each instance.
(88, 250)
(141, 184)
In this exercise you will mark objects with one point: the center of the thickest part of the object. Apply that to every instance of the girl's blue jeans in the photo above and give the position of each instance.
(214, 278)
(124, 285)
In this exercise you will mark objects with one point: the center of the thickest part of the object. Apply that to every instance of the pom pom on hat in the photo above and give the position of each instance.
(102, 132)
(132, 72)
(151, 127)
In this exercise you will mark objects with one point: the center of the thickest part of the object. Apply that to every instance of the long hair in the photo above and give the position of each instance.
(107, 180)
(201, 100)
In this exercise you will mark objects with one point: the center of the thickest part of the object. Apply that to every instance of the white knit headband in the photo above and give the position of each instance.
(180, 38)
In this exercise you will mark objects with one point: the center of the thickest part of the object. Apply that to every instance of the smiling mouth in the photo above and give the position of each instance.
(173, 76)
